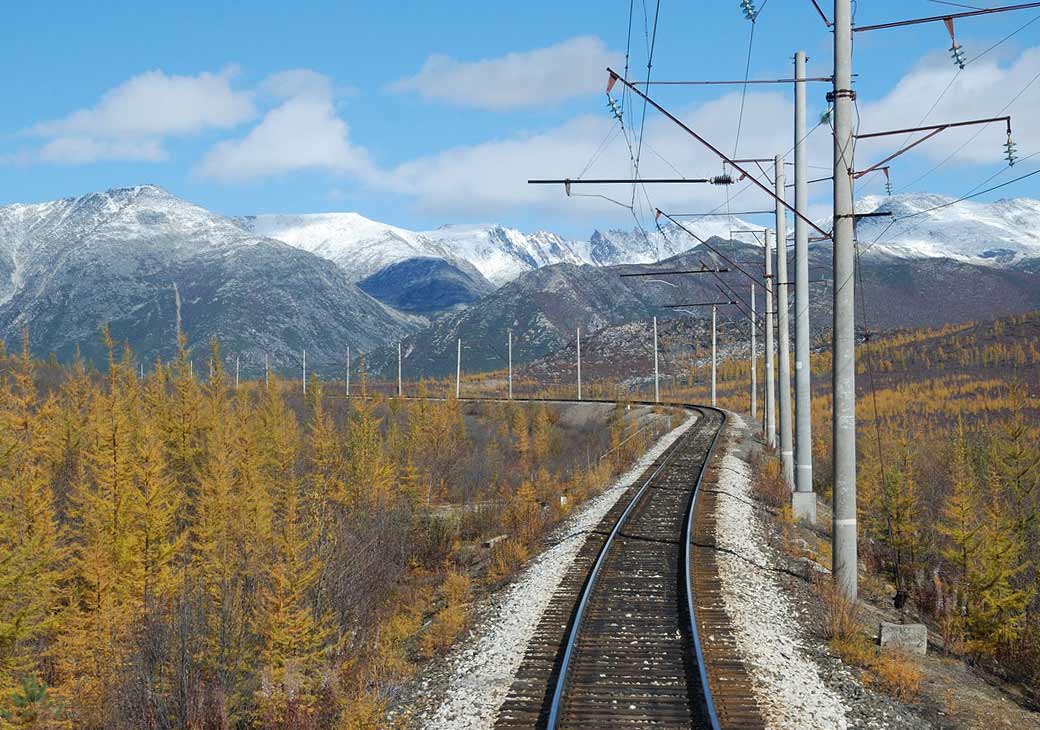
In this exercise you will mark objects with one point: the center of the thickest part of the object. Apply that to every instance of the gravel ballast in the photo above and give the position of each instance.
(467, 687)
(788, 686)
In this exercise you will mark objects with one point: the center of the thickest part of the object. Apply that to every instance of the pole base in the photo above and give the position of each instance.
(803, 506)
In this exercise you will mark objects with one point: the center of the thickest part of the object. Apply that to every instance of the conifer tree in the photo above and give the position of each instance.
(30, 552)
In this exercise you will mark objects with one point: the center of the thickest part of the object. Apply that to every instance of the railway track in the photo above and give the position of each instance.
(620, 643)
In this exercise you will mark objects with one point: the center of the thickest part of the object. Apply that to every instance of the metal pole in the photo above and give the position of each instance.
(400, 389)
(786, 438)
(510, 364)
(348, 370)
(844, 361)
(305, 372)
(754, 360)
(458, 368)
(657, 377)
(804, 507)
(714, 311)
(770, 426)
(579, 363)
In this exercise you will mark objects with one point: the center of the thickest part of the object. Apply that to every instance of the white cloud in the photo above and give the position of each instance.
(572, 68)
(302, 133)
(491, 177)
(154, 105)
(980, 90)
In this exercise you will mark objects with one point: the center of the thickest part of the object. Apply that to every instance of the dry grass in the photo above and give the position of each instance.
(893, 673)
(769, 484)
(506, 558)
(841, 616)
(896, 674)
(449, 622)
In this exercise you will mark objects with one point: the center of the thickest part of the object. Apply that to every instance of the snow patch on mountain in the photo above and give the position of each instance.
(362, 247)
(921, 225)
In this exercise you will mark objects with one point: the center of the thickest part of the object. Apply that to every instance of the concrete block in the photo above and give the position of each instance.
(803, 506)
(911, 638)
(491, 542)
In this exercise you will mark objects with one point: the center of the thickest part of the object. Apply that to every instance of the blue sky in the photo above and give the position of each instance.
(420, 114)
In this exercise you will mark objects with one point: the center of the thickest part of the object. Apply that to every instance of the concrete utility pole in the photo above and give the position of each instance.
(770, 425)
(786, 439)
(714, 323)
(458, 368)
(754, 360)
(844, 361)
(236, 371)
(803, 500)
(657, 377)
(510, 364)
(579, 362)
(348, 370)
(305, 372)
(400, 388)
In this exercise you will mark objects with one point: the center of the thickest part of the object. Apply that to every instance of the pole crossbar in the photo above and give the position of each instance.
(698, 304)
(932, 130)
(938, 127)
(675, 272)
(614, 75)
(735, 82)
(620, 181)
(950, 16)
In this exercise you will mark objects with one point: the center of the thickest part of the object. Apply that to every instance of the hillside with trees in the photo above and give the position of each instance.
(186, 552)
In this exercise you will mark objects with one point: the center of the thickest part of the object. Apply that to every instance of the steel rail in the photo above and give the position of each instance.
(691, 608)
(593, 577)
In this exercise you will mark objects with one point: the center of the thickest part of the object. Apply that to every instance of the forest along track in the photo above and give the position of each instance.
(620, 620)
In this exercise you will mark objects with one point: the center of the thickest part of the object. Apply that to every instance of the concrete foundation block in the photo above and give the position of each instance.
(803, 506)
(911, 638)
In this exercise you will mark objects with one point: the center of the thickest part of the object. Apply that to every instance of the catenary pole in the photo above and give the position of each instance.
(400, 387)
(843, 374)
(305, 372)
(510, 364)
(804, 501)
(267, 371)
(657, 377)
(579, 362)
(770, 425)
(784, 360)
(458, 368)
(754, 360)
(714, 324)
(236, 371)
(348, 370)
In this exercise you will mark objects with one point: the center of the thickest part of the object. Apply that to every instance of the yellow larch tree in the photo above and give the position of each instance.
(30, 551)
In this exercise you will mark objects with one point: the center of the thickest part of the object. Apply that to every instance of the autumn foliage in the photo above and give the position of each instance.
(182, 553)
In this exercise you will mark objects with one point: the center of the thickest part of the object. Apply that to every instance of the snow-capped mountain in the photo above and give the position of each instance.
(147, 263)
(362, 247)
(999, 234)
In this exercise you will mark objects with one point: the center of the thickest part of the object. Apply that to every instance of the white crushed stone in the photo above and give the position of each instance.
(787, 684)
(484, 665)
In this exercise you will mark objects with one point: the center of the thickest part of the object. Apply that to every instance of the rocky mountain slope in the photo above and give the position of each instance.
(426, 286)
(1002, 234)
(146, 262)
(544, 307)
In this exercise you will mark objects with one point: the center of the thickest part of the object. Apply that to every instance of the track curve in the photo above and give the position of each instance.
(626, 651)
